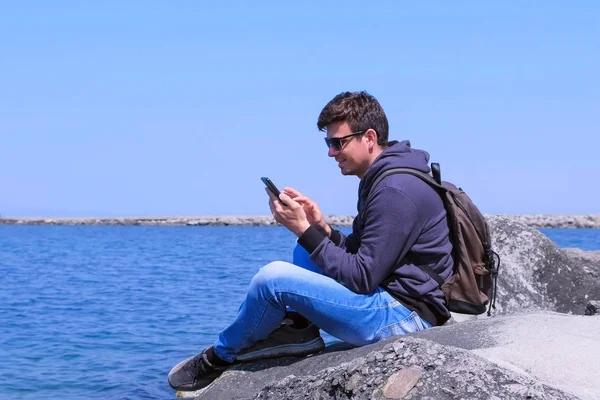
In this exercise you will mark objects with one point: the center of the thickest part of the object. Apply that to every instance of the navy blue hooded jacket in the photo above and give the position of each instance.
(404, 220)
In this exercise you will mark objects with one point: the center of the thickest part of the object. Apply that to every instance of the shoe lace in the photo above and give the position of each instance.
(197, 365)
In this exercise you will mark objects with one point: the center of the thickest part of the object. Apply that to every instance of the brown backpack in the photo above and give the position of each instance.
(472, 285)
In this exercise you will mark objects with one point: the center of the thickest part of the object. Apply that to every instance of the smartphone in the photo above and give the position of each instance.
(271, 186)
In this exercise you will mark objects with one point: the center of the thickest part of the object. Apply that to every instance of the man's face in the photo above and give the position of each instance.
(352, 152)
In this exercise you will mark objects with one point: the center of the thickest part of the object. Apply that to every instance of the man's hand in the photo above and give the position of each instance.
(292, 215)
(313, 213)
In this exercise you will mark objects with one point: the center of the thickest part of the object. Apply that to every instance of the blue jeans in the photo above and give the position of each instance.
(358, 319)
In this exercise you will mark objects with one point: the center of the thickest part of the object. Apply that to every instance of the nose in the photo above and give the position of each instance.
(332, 152)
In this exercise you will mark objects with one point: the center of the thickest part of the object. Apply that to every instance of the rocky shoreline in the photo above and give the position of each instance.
(534, 221)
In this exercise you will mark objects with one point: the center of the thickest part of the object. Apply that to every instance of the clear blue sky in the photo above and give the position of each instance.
(134, 108)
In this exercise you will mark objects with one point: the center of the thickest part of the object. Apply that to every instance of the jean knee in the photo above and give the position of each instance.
(268, 276)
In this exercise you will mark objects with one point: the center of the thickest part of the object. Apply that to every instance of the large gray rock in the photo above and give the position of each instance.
(556, 349)
(588, 261)
(536, 275)
(530, 356)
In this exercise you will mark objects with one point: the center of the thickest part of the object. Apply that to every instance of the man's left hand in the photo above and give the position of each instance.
(291, 215)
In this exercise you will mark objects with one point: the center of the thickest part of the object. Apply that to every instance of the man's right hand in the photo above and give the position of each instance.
(313, 213)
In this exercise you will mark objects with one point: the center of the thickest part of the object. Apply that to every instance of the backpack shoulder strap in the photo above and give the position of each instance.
(410, 171)
(431, 181)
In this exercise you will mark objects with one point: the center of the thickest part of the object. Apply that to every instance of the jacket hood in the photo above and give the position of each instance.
(396, 155)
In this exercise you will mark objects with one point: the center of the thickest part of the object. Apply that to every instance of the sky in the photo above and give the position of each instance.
(147, 108)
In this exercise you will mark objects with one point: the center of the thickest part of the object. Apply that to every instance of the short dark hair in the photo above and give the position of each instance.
(360, 110)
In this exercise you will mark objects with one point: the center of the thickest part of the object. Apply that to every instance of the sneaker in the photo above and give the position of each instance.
(285, 341)
(194, 373)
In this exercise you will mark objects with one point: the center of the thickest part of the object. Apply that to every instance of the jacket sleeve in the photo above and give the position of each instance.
(391, 227)
(350, 242)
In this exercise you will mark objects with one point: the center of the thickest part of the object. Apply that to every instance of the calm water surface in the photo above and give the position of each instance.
(104, 312)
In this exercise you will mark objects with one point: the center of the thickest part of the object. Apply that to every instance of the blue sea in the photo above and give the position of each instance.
(104, 312)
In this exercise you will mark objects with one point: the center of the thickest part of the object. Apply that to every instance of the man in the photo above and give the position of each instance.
(361, 288)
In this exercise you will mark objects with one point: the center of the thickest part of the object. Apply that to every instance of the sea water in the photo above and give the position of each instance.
(104, 312)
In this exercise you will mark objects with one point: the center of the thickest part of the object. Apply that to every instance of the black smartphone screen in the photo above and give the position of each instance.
(271, 186)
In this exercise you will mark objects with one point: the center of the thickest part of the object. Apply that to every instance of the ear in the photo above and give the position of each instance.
(371, 136)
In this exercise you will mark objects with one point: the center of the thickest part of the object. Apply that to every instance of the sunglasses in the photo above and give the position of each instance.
(338, 142)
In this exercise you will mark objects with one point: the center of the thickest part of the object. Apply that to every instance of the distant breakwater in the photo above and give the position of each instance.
(534, 221)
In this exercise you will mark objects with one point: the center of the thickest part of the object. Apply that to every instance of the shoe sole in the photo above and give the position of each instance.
(295, 349)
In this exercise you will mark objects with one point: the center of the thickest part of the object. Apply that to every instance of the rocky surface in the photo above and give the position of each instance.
(535, 221)
(556, 349)
(530, 356)
(593, 307)
(536, 275)
(588, 261)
